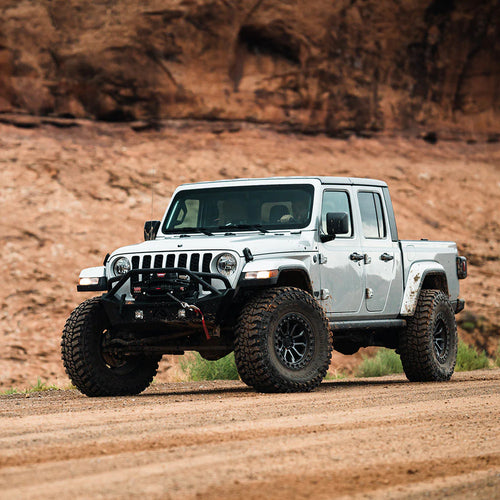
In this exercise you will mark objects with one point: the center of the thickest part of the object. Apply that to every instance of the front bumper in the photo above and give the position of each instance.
(159, 309)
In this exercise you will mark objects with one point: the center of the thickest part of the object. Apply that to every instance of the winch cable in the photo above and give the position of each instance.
(194, 308)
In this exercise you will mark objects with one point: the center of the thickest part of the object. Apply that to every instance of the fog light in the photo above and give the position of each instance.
(139, 314)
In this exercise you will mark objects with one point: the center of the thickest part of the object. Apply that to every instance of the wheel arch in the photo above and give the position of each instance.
(291, 272)
(425, 275)
(298, 278)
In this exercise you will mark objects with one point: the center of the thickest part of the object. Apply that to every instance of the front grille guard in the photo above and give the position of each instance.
(199, 277)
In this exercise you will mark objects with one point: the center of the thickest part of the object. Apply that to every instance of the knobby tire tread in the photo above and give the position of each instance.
(251, 338)
(416, 345)
(80, 359)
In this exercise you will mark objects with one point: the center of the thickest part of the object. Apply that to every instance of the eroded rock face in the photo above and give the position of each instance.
(327, 66)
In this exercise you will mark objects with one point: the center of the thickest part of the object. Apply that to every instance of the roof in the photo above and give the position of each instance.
(355, 181)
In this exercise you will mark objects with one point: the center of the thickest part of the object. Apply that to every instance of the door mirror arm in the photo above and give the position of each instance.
(326, 237)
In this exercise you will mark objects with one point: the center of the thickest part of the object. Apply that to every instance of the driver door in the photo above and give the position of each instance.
(339, 274)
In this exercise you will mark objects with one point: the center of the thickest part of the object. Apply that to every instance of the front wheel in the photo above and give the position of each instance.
(283, 343)
(428, 345)
(93, 371)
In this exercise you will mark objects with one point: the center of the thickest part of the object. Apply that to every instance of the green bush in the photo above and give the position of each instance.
(197, 368)
(385, 362)
(469, 359)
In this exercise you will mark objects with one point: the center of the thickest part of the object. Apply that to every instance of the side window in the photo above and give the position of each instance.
(336, 201)
(372, 215)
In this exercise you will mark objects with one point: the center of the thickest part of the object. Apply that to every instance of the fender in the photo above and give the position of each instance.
(416, 277)
(279, 265)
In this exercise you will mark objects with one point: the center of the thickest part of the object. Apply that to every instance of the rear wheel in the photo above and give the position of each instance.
(91, 369)
(283, 343)
(428, 346)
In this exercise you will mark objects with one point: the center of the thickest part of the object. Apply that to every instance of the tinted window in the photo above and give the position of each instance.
(372, 216)
(240, 208)
(337, 202)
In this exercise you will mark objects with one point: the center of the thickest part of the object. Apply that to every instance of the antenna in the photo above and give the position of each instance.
(153, 173)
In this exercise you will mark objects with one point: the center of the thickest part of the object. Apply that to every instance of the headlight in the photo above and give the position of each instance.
(121, 266)
(226, 264)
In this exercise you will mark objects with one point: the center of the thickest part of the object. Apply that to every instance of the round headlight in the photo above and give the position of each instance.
(226, 264)
(121, 266)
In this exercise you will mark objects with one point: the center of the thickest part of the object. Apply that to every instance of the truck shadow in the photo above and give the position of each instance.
(326, 386)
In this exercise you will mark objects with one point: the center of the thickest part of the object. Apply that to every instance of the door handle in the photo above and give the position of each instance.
(386, 257)
(356, 257)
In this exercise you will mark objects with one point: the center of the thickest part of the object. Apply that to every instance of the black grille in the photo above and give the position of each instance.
(158, 261)
(183, 258)
(196, 262)
(207, 258)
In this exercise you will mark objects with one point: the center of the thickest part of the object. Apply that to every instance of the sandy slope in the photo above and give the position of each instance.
(377, 438)
(68, 196)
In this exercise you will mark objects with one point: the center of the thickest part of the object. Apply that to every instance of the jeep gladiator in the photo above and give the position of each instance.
(280, 271)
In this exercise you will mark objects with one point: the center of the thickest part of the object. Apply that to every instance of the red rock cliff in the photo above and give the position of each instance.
(318, 65)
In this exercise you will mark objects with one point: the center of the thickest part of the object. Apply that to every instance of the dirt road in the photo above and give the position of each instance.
(366, 438)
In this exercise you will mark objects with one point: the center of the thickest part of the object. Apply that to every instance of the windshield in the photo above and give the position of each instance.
(243, 208)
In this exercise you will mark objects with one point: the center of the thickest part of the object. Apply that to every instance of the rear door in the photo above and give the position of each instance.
(381, 254)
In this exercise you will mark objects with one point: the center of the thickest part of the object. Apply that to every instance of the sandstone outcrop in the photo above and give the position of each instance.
(337, 67)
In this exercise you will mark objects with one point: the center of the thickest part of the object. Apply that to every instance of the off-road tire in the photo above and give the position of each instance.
(81, 349)
(428, 345)
(266, 323)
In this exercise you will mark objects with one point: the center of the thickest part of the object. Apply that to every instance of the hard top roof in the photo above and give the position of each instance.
(355, 181)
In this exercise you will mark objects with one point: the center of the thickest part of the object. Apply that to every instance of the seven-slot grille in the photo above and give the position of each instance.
(193, 261)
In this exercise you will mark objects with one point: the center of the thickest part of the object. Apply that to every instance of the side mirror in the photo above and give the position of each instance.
(151, 229)
(336, 223)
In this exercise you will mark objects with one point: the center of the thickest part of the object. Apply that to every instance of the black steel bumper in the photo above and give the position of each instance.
(159, 309)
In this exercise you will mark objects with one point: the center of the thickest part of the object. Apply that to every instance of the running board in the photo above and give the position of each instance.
(369, 324)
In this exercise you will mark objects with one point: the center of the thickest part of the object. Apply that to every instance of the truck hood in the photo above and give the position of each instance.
(259, 244)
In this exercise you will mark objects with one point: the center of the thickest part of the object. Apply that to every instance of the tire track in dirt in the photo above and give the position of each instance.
(220, 439)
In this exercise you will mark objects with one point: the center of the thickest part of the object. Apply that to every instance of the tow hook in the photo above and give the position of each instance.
(194, 308)
(197, 310)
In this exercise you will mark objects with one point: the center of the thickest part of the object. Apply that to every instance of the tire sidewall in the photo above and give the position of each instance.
(442, 311)
(314, 319)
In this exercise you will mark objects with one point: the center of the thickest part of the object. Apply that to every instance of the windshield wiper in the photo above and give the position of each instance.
(256, 227)
(193, 230)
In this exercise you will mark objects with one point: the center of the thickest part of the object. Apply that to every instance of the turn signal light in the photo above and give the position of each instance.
(261, 275)
(88, 281)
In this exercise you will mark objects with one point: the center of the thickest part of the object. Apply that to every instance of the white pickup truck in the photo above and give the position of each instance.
(280, 271)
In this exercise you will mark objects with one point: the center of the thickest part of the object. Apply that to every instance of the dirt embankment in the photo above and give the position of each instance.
(383, 438)
(70, 195)
(340, 67)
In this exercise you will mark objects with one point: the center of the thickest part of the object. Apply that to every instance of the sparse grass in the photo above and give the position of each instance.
(196, 368)
(38, 387)
(468, 358)
(385, 362)
(335, 375)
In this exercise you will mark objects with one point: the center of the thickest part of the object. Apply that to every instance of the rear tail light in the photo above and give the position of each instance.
(461, 268)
